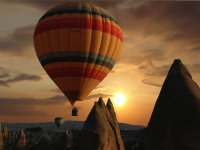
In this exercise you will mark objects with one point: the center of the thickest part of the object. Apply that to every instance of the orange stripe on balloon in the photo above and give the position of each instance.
(80, 23)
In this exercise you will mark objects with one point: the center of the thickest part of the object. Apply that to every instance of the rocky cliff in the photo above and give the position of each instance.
(175, 121)
(101, 130)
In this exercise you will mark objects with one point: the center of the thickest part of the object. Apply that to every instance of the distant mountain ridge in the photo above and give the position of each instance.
(67, 125)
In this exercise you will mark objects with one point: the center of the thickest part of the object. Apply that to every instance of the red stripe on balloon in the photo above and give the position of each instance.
(80, 23)
(76, 72)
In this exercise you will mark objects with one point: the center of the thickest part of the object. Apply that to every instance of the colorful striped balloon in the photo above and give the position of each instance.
(77, 44)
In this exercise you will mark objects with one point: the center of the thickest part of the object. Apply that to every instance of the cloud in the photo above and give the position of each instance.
(194, 68)
(48, 4)
(26, 106)
(57, 90)
(19, 42)
(150, 70)
(107, 5)
(150, 82)
(19, 78)
(100, 89)
(172, 16)
(158, 31)
(57, 99)
(141, 56)
(4, 83)
(4, 73)
(20, 110)
(23, 77)
(98, 95)
(154, 75)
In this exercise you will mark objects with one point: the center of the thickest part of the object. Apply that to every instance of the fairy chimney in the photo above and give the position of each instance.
(101, 130)
(5, 133)
(21, 141)
(1, 141)
(175, 121)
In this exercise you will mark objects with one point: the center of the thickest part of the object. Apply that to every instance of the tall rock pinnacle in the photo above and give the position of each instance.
(21, 142)
(175, 121)
(101, 130)
(5, 133)
(1, 141)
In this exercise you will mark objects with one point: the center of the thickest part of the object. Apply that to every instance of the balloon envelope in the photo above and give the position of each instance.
(77, 44)
(58, 121)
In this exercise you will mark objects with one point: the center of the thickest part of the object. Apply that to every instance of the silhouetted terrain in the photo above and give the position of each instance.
(66, 126)
(37, 138)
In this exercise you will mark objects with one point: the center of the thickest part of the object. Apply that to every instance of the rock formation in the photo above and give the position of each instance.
(21, 141)
(69, 140)
(44, 144)
(101, 130)
(175, 121)
(1, 141)
(36, 129)
(5, 133)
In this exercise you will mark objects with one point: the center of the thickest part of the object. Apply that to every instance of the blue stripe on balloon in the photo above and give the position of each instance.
(77, 56)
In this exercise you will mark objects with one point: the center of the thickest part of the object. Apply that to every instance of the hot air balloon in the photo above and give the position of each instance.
(58, 121)
(77, 44)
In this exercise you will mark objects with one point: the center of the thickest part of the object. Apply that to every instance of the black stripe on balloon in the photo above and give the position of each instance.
(83, 10)
(77, 59)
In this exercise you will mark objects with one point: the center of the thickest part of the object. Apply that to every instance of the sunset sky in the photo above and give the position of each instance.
(154, 34)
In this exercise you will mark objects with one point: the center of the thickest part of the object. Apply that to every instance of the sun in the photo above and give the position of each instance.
(119, 99)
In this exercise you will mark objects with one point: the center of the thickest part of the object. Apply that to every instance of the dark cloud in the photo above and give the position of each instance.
(151, 72)
(141, 56)
(172, 26)
(4, 73)
(151, 83)
(57, 90)
(22, 77)
(194, 68)
(4, 83)
(40, 4)
(25, 106)
(107, 5)
(167, 16)
(100, 87)
(98, 95)
(20, 110)
(48, 4)
(57, 99)
(18, 42)
(19, 78)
